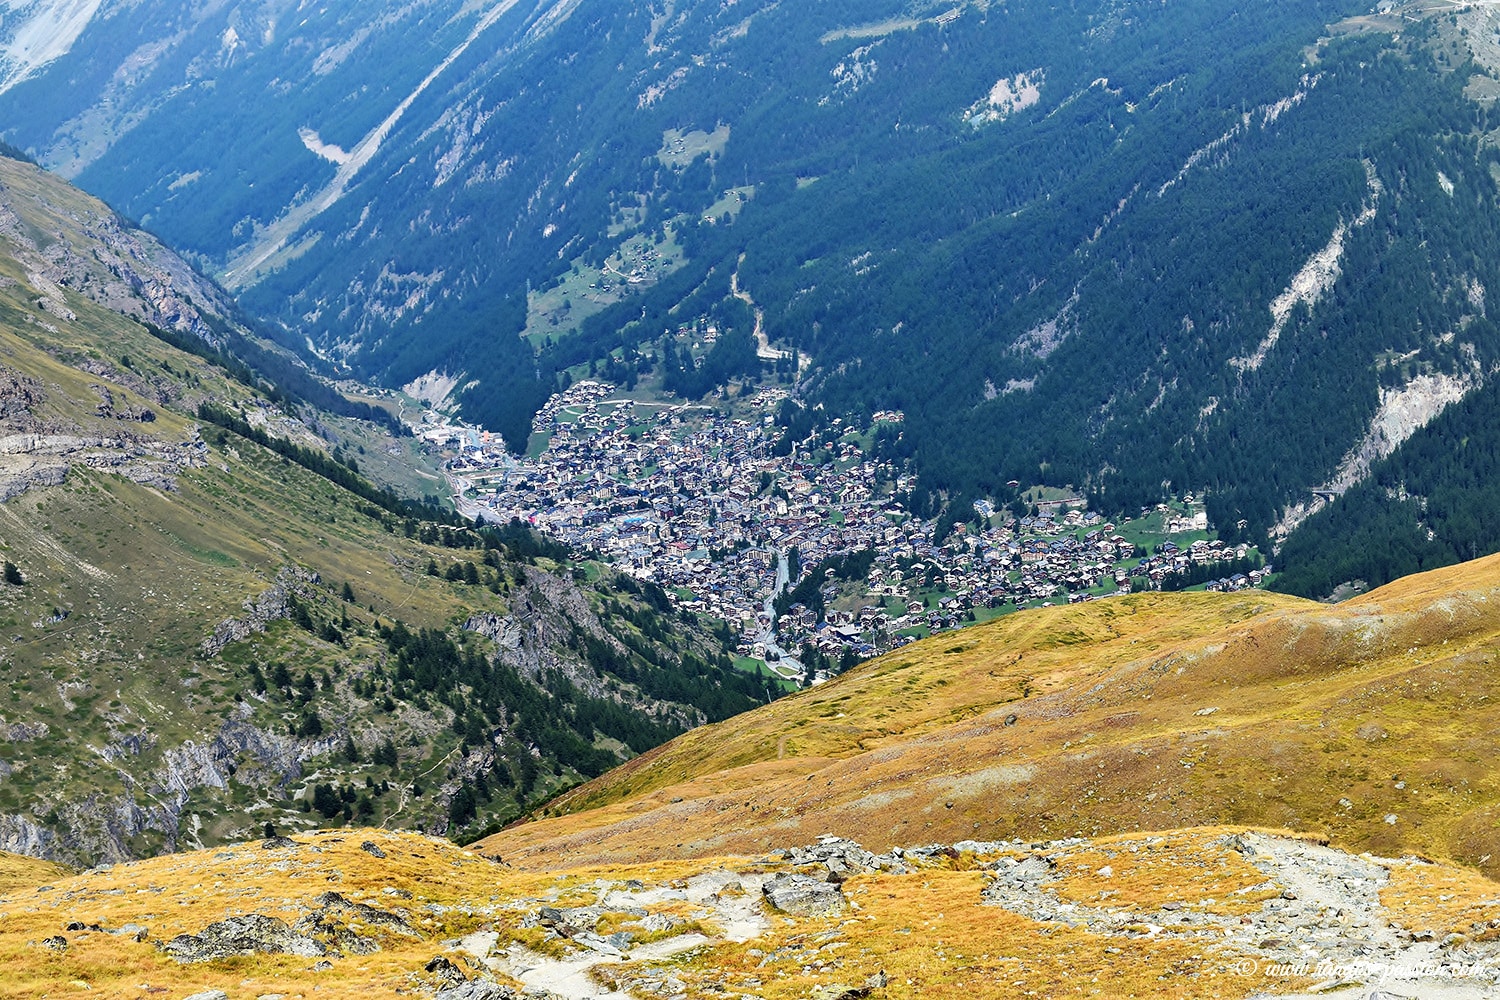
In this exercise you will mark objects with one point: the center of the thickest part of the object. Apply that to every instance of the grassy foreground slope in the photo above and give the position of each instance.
(1374, 721)
(82, 935)
(1164, 728)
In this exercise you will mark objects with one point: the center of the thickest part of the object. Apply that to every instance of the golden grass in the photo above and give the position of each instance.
(1142, 713)
(18, 871)
(932, 937)
(929, 933)
(443, 891)
(1441, 900)
(1190, 867)
(184, 893)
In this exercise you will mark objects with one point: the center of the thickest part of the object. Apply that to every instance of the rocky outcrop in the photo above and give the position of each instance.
(105, 829)
(272, 605)
(804, 896)
(538, 635)
(30, 460)
(839, 858)
(254, 933)
(325, 931)
(128, 271)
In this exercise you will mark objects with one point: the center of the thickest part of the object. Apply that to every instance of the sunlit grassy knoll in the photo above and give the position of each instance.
(1440, 900)
(1194, 868)
(184, 893)
(1145, 712)
(927, 686)
(18, 871)
(928, 933)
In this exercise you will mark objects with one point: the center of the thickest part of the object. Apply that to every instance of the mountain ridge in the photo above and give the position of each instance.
(1162, 274)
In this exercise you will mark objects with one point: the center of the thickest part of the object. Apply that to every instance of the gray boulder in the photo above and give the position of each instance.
(802, 896)
(480, 990)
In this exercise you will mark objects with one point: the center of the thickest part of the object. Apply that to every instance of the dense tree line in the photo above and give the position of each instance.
(808, 592)
(324, 465)
(1434, 502)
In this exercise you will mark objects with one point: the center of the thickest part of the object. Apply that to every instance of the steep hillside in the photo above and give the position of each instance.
(1373, 722)
(213, 622)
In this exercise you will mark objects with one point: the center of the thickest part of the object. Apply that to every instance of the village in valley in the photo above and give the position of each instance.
(811, 557)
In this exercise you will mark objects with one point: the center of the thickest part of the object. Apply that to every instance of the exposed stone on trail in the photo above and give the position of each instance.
(246, 935)
(804, 896)
(1013, 873)
(481, 990)
(1324, 911)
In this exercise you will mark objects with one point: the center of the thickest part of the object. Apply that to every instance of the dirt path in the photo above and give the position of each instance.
(729, 901)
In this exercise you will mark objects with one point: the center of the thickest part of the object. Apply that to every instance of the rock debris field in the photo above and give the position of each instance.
(1227, 912)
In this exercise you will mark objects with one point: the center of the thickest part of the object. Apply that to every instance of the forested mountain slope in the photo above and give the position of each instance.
(1240, 247)
(213, 621)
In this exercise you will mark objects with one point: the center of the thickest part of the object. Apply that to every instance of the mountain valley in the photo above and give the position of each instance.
(695, 870)
(214, 622)
(1079, 255)
(841, 500)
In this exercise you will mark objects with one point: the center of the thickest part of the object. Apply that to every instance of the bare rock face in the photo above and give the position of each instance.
(535, 638)
(98, 828)
(325, 931)
(270, 606)
(128, 270)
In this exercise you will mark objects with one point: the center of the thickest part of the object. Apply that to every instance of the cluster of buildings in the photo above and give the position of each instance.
(694, 499)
